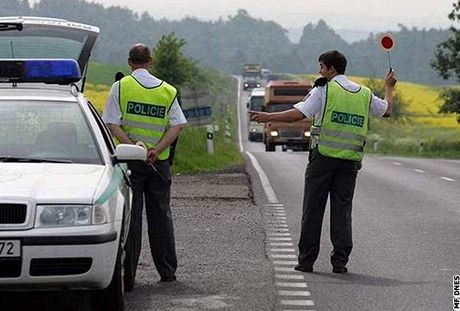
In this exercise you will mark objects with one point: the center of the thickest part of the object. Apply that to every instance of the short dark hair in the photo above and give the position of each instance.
(335, 59)
(140, 54)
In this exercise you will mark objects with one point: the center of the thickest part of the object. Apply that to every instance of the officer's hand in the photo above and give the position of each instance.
(258, 116)
(152, 155)
(390, 79)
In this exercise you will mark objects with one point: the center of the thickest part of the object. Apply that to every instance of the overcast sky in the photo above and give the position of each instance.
(361, 15)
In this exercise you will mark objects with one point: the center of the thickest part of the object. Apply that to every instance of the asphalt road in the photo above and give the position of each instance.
(405, 227)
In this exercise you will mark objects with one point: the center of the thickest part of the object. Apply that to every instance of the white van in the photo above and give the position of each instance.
(255, 103)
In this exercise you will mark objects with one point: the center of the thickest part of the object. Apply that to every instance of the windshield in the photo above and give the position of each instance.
(48, 130)
(256, 103)
(280, 107)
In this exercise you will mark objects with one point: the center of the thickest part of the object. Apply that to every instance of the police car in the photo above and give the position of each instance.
(64, 196)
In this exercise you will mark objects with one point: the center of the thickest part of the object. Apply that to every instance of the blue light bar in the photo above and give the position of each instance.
(56, 71)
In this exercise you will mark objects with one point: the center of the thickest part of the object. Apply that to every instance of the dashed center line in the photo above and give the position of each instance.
(447, 178)
(396, 163)
(419, 170)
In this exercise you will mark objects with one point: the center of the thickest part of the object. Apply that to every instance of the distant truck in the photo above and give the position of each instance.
(281, 95)
(252, 71)
(251, 84)
(255, 103)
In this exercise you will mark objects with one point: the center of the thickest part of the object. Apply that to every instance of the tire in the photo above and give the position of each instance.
(111, 298)
(129, 265)
(269, 147)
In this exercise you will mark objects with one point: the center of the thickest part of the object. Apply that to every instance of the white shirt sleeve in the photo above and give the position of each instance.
(112, 113)
(311, 105)
(378, 106)
(176, 115)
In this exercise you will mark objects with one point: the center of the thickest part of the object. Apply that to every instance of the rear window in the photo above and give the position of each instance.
(33, 44)
(41, 129)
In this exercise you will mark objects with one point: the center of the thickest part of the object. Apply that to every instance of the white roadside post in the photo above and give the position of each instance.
(209, 140)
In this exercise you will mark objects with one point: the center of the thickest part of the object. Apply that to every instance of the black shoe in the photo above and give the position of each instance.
(339, 270)
(168, 279)
(304, 268)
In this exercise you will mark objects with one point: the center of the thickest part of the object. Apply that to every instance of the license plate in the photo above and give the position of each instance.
(10, 248)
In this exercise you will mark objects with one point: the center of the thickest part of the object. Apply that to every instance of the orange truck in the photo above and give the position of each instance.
(281, 95)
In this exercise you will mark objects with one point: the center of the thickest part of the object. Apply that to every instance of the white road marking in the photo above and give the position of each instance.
(396, 163)
(279, 233)
(281, 244)
(277, 225)
(282, 250)
(278, 229)
(271, 196)
(291, 284)
(285, 262)
(289, 276)
(293, 293)
(447, 178)
(283, 256)
(419, 170)
(280, 239)
(297, 303)
(240, 137)
(284, 269)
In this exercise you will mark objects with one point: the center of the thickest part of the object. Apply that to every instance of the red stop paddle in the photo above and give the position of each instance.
(387, 43)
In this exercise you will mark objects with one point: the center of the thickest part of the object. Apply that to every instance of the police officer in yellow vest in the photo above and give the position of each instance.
(143, 109)
(340, 111)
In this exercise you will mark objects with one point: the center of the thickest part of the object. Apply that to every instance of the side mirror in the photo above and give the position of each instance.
(127, 152)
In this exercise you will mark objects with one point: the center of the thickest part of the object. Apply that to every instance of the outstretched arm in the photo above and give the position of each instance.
(290, 115)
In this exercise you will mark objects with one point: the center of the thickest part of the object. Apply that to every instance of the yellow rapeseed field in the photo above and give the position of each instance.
(423, 103)
(97, 94)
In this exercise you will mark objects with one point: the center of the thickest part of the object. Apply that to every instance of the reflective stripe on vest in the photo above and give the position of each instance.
(345, 122)
(145, 111)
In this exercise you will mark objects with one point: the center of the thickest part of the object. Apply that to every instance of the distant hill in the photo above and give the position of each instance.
(227, 44)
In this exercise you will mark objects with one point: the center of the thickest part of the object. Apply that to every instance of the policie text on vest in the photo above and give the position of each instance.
(347, 119)
(148, 110)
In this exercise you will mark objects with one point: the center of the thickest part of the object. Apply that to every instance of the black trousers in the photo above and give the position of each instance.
(155, 189)
(325, 177)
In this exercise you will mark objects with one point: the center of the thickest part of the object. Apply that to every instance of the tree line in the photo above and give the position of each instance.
(228, 43)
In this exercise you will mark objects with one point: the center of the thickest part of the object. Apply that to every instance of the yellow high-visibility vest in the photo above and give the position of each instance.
(344, 126)
(145, 111)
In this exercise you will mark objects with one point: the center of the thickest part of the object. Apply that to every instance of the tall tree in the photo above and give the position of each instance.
(447, 63)
(170, 64)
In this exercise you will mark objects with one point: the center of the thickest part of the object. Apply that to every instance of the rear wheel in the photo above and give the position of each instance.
(111, 298)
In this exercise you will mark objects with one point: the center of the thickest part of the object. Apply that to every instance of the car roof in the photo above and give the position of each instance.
(34, 92)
